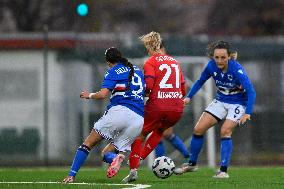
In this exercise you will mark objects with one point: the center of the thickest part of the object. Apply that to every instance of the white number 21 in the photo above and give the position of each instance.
(163, 84)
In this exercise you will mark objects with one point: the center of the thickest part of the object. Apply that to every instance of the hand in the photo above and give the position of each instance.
(84, 94)
(186, 101)
(244, 118)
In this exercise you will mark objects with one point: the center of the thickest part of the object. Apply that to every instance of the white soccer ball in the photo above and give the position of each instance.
(163, 167)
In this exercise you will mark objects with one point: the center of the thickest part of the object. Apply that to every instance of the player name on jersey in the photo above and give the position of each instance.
(165, 58)
(169, 94)
(121, 70)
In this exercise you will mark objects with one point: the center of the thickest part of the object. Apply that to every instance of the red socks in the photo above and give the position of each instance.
(134, 156)
(151, 143)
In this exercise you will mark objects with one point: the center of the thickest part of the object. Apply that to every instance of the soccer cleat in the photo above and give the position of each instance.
(185, 167)
(115, 165)
(221, 175)
(68, 179)
(133, 176)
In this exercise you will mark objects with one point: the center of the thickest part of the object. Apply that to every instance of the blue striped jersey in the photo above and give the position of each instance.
(128, 94)
(233, 86)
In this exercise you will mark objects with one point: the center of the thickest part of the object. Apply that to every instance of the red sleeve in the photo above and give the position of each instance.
(183, 86)
(183, 91)
(149, 74)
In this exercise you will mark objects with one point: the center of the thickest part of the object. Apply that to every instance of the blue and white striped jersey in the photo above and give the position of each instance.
(131, 94)
(233, 86)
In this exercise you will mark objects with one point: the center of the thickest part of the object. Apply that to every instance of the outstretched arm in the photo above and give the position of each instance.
(103, 93)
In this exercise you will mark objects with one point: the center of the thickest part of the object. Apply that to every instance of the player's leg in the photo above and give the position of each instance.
(134, 158)
(160, 149)
(234, 114)
(109, 153)
(176, 141)
(103, 128)
(130, 128)
(114, 157)
(82, 154)
(151, 142)
(205, 122)
(150, 120)
(167, 119)
(214, 112)
(226, 148)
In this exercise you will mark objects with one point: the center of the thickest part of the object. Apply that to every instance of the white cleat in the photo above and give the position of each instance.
(133, 176)
(185, 167)
(221, 175)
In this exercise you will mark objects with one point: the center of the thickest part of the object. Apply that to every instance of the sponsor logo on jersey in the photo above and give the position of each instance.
(224, 83)
(230, 77)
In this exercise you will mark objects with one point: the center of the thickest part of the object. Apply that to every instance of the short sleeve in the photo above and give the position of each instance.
(109, 81)
(149, 69)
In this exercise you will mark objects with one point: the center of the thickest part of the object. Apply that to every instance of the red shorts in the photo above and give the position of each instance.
(160, 120)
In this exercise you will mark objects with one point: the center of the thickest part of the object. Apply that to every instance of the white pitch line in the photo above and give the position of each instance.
(131, 186)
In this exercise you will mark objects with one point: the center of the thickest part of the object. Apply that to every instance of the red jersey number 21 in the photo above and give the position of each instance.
(163, 84)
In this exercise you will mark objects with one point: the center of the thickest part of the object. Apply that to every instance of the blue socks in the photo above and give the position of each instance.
(79, 159)
(196, 144)
(160, 149)
(176, 142)
(109, 156)
(179, 145)
(226, 151)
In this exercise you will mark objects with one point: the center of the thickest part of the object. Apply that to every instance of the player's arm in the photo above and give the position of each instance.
(248, 87)
(149, 76)
(182, 83)
(108, 85)
(103, 93)
(205, 75)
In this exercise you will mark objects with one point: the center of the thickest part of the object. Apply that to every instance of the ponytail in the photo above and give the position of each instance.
(126, 63)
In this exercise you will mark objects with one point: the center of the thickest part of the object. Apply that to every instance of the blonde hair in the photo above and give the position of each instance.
(152, 41)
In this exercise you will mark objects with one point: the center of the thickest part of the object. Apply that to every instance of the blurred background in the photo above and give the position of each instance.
(50, 50)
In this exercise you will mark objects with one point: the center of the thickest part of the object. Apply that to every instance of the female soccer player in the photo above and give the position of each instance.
(169, 134)
(164, 108)
(123, 120)
(233, 103)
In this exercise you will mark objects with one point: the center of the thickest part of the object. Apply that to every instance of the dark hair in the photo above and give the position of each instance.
(217, 45)
(113, 55)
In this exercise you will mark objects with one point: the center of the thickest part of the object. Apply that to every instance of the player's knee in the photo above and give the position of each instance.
(198, 131)
(226, 132)
(169, 136)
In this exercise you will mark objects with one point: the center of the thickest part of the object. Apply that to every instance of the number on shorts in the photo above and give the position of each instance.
(163, 84)
(237, 110)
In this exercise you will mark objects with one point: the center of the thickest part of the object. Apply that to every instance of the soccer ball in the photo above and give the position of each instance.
(163, 167)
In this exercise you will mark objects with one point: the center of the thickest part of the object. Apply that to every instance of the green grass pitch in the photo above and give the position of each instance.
(240, 178)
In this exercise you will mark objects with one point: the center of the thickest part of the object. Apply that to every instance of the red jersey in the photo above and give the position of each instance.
(165, 81)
